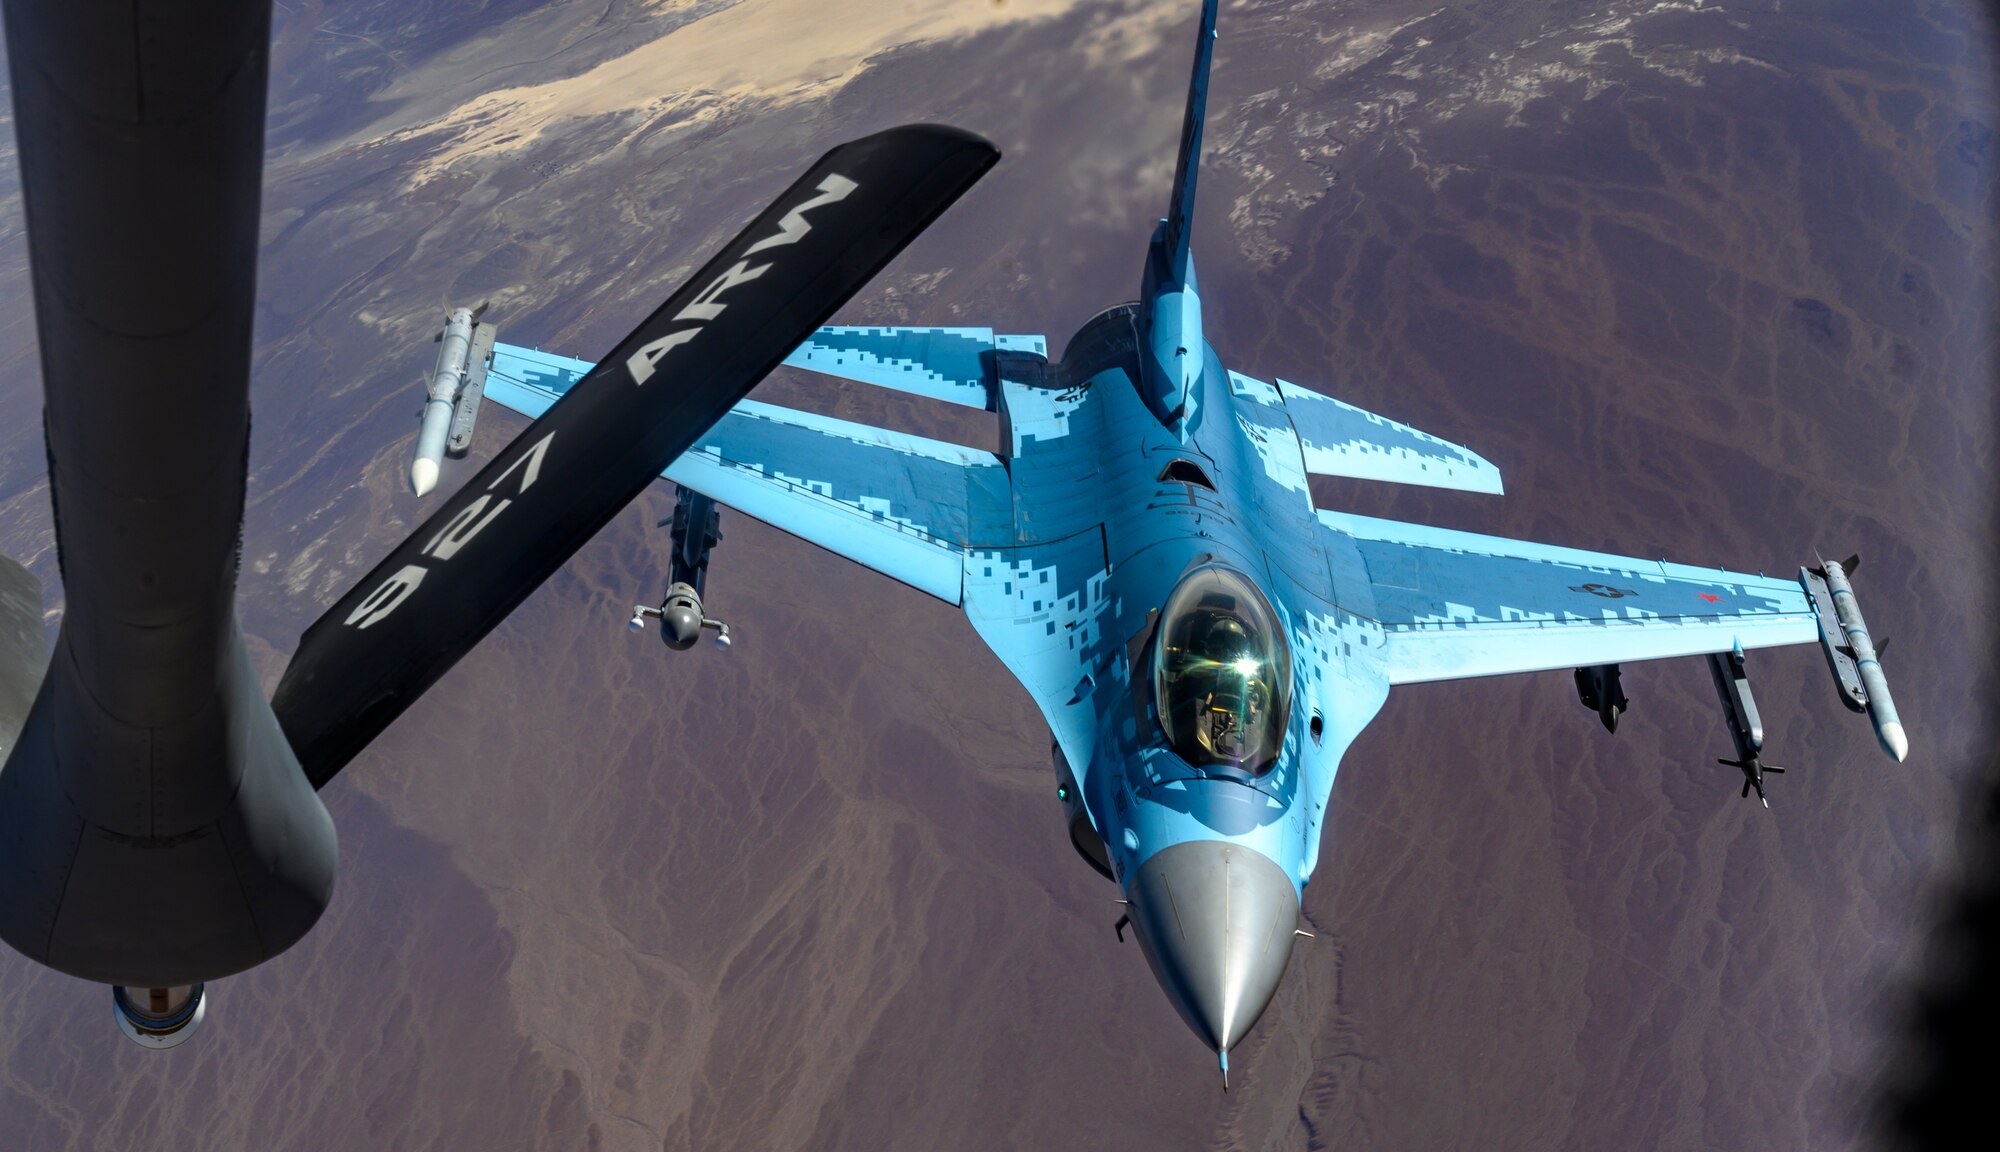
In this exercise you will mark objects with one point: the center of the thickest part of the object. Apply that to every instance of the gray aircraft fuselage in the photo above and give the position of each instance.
(150, 730)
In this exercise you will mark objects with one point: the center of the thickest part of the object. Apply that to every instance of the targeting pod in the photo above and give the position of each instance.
(1851, 653)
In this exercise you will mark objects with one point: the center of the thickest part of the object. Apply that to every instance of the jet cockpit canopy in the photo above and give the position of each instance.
(1222, 673)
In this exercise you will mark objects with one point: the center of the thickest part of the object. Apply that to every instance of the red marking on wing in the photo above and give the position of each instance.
(1711, 597)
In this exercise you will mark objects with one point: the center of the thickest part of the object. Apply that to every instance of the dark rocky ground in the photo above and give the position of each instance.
(1713, 282)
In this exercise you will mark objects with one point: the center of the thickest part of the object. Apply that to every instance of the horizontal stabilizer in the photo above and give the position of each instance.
(1339, 439)
(23, 655)
(956, 365)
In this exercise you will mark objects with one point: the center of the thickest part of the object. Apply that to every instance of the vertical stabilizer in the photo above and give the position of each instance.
(1181, 210)
(1170, 316)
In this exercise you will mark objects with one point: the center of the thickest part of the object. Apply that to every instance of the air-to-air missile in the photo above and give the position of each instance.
(1852, 654)
(1740, 715)
(697, 529)
(456, 384)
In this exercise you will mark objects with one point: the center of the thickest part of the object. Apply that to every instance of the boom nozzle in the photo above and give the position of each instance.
(159, 1017)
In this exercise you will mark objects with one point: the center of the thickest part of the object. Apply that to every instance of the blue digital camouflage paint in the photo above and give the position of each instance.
(1146, 560)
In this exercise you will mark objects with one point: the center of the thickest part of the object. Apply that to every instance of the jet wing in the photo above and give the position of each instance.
(957, 365)
(1458, 604)
(906, 506)
(1339, 439)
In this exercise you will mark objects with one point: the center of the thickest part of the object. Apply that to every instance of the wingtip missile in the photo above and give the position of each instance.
(1852, 654)
(423, 475)
(454, 387)
(1222, 1054)
(1894, 742)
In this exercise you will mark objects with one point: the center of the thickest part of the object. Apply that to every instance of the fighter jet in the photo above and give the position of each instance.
(159, 822)
(1145, 557)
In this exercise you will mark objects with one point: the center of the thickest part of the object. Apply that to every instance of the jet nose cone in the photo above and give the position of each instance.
(1216, 923)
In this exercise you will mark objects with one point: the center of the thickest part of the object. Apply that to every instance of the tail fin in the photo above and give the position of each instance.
(1182, 208)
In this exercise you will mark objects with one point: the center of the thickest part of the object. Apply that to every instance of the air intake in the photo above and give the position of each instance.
(1185, 472)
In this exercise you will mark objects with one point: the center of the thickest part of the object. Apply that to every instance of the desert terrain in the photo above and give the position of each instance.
(1707, 281)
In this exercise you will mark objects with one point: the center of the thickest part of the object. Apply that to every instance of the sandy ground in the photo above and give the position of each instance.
(776, 52)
